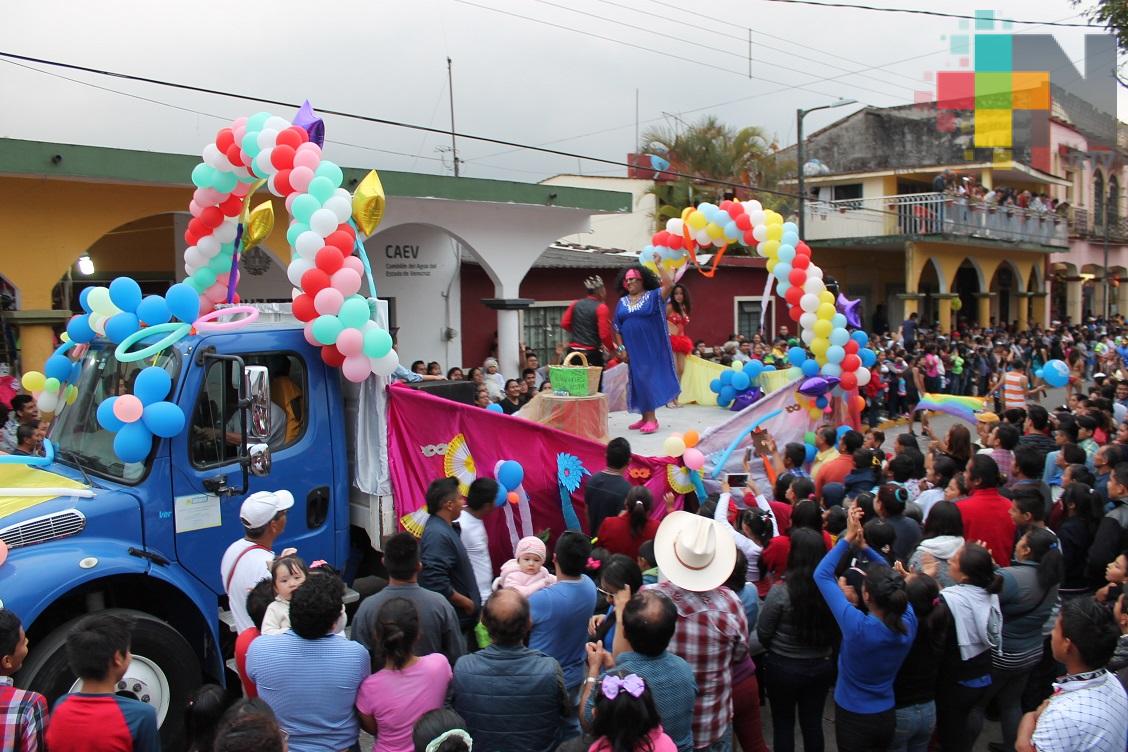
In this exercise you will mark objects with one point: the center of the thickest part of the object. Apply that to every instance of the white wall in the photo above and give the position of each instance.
(628, 232)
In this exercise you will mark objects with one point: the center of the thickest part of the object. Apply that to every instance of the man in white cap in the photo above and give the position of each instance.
(246, 561)
(696, 556)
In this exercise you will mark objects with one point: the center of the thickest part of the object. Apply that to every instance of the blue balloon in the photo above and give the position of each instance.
(726, 377)
(152, 385)
(821, 402)
(1055, 373)
(57, 367)
(164, 419)
(727, 395)
(82, 299)
(79, 329)
(797, 356)
(510, 474)
(500, 499)
(740, 381)
(768, 368)
(715, 386)
(154, 310)
(183, 302)
(835, 354)
(76, 371)
(811, 451)
(838, 321)
(125, 293)
(839, 337)
(810, 367)
(1038, 373)
(133, 442)
(493, 407)
(790, 227)
(121, 325)
(868, 356)
(782, 287)
(832, 369)
(841, 430)
(860, 337)
(106, 417)
(753, 369)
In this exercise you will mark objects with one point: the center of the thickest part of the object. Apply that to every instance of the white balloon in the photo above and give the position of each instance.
(807, 320)
(809, 303)
(814, 271)
(47, 402)
(225, 233)
(192, 256)
(760, 232)
(263, 165)
(752, 205)
(385, 365)
(266, 138)
(675, 226)
(276, 123)
(294, 293)
(97, 322)
(342, 193)
(863, 375)
(756, 216)
(323, 222)
(296, 269)
(308, 244)
(813, 285)
(341, 209)
(190, 269)
(213, 157)
(808, 336)
(208, 246)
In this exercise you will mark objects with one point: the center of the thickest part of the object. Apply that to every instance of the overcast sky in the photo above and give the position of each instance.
(541, 78)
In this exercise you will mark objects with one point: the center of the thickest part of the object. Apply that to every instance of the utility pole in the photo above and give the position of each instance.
(799, 115)
(453, 143)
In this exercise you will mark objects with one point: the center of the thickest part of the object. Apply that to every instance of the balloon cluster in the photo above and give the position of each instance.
(137, 417)
(684, 445)
(54, 387)
(706, 225)
(510, 475)
(739, 386)
(119, 310)
(1054, 372)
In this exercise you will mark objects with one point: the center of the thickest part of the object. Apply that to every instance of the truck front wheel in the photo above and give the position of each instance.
(162, 674)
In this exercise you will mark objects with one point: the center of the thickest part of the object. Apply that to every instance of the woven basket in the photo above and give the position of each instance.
(578, 381)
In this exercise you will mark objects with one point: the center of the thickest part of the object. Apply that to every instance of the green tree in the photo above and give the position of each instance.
(1113, 15)
(710, 151)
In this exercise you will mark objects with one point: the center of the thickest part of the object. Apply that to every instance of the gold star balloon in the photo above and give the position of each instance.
(368, 203)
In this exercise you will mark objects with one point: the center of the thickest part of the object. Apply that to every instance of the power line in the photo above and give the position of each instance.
(941, 14)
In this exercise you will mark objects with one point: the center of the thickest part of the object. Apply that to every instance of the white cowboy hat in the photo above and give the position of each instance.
(694, 552)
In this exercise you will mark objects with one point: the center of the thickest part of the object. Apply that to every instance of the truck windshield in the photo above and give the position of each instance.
(76, 431)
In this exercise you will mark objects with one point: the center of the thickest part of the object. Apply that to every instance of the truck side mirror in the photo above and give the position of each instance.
(257, 379)
(259, 455)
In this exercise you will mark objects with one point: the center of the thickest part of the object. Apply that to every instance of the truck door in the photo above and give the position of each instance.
(207, 455)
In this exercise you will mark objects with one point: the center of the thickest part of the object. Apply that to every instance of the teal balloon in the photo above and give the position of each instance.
(203, 278)
(305, 205)
(153, 385)
(225, 182)
(133, 442)
(354, 312)
(257, 121)
(183, 302)
(321, 189)
(330, 170)
(377, 343)
(250, 143)
(326, 328)
(295, 229)
(164, 419)
(220, 264)
(202, 175)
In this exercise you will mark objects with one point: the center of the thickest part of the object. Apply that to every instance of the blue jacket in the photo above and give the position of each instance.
(512, 699)
(446, 566)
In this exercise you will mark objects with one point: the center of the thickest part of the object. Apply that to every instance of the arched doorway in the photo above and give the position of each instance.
(1006, 283)
(929, 285)
(968, 284)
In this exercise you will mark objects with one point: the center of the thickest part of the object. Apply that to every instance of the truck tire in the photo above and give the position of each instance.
(163, 673)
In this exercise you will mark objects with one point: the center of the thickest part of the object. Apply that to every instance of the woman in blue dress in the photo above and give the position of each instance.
(643, 341)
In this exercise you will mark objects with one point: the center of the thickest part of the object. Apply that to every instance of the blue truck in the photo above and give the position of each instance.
(263, 411)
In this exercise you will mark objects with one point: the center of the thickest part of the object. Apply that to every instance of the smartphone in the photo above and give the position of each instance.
(736, 480)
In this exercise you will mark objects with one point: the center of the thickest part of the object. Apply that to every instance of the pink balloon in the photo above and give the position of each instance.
(308, 332)
(346, 281)
(207, 196)
(693, 458)
(194, 209)
(351, 343)
(328, 301)
(289, 199)
(310, 158)
(241, 189)
(355, 369)
(352, 262)
(239, 122)
(128, 409)
(300, 178)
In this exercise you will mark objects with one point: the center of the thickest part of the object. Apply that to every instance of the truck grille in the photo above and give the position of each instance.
(42, 529)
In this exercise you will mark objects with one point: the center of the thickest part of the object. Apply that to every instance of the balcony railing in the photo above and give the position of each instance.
(933, 214)
(1084, 224)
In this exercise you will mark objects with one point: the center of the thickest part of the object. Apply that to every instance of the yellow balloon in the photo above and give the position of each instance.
(957, 304)
(245, 215)
(822, 328)
(651, 266)
(815, 413)
(775, 218)
(715, 231)
(686, 212)
(819, 346)
(368, 203)
(33, 381)
(826, 296)
(775, 232)
(826, 311)
(259, 224)
(770, 247)
(72, 394)
(696, 220)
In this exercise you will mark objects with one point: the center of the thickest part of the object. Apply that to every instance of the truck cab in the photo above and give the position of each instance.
(146, 538)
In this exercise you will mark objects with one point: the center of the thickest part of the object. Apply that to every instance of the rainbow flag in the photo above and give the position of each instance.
(951, 404)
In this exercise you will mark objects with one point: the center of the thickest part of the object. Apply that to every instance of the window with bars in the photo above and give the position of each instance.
(749, 317)
(540, 329)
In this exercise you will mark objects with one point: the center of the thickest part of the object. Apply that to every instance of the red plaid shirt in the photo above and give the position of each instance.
(23, 718)
(712, 636)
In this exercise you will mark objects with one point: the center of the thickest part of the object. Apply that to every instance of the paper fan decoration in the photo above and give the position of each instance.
(569, 473)
(459, 463)
(414, 522)
(679, 478)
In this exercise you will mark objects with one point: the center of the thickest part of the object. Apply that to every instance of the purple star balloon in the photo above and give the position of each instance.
(849, 309)
(308, 120)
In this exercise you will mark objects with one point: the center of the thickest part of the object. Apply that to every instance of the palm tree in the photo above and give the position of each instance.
(709, 151)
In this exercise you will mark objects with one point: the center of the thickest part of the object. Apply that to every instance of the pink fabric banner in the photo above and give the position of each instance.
(430, 437)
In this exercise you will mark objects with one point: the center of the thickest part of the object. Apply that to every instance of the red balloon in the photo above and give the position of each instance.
(300, 132)
(341, 240)
(328, 260)
(726, 205)
(198, 228)
(851, 346)
(677, 242)
(851, 363)
(231, 206)
(332, 356)
(803, 249)
(282, 182)
(234, 155)
(288, 137)
(282, 157)
(800, 262)
(848, 381)
(793, 295)
(212, 217)
(236, 299)
(224, 139)
(190, 237)
(743, 222)
(798, 277)
(749, 239)
(736, 210)
(659, 238)
(795, 312)
(303, 308)
(314, 281)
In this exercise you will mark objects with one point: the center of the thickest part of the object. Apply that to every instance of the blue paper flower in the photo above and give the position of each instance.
(570, 473)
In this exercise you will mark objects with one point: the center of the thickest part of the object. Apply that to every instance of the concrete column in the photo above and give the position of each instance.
(1122, 299)
(1073, 299)
(912, 304)
(944, 310)
(1099, 294)
(1023, 309)
(508, 343)
(1041, 308)
(984, 312)
(986, 179)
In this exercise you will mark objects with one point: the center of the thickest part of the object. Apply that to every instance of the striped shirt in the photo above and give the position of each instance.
(23, 717)
(1014, 390)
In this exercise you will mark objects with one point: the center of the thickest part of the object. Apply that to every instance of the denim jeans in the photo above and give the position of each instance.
(915, 724)
(570, 727)
(724, 744)
(798, 684)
